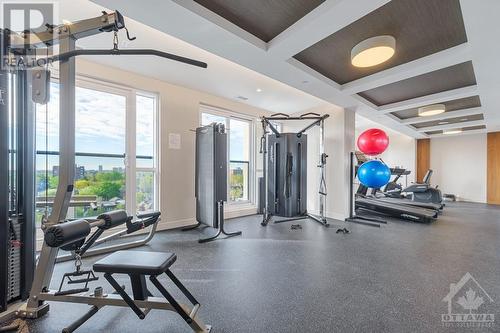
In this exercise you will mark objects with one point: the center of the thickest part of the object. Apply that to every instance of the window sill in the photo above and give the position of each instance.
(239, 209)
(230, 206)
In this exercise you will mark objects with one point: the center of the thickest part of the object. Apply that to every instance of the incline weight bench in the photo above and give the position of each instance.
(74, 236)
(138, 264)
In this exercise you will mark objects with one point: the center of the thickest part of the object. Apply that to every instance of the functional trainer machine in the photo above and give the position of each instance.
(285, 170)
(59, 232)
(211, 179)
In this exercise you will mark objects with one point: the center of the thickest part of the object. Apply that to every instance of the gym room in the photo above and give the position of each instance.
(234, 166)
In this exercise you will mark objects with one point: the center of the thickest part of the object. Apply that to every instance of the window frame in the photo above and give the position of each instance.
(130, 164)
(228, 115)
(155, 169)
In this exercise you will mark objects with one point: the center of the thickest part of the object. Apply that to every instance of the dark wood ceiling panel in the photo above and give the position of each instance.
(456, 120)
(453, 105)
(465, 129)
(453, 77)
(421, 28)
(264, 19)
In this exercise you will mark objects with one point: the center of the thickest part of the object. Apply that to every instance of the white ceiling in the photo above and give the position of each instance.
(222, 77)
(220, 39)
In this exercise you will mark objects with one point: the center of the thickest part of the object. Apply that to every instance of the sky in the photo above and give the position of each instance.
(100, 127)
(239, 135)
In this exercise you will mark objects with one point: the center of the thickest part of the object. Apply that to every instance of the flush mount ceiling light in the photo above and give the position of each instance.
(258, 90)
(373, 51)
(453, 131)
(431, 110)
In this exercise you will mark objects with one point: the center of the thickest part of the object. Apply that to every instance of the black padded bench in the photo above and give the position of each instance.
(138, 264)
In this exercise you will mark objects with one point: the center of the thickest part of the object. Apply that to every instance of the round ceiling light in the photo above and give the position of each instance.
(373, 51)
(431, 110)
(453, 131)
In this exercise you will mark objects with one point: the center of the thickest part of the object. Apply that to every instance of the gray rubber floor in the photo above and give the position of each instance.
(275, 279)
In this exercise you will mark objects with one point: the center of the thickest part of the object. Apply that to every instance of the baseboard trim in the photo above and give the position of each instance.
(330, 215)
(168, 225)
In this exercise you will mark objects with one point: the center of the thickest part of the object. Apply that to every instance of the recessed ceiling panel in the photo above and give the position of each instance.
(453, 77)
(453, 105)
(456, 120)
(421, 28)
(264, 19)
(464, 129)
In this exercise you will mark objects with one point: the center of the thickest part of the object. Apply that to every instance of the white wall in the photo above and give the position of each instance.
(459, 165)
(179, 113)
(401, 151)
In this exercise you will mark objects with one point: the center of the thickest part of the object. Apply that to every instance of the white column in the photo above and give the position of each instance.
(339, 142)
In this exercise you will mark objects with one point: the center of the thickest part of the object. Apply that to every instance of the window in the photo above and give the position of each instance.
(240, 159)
(112, 124)
(146, 175)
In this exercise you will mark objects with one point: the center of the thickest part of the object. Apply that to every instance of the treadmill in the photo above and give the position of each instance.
(392, 198)
(387, 197)
(402, 201)
(404, 212)
(398, 208)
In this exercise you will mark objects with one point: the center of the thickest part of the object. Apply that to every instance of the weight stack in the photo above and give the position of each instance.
(287, 174)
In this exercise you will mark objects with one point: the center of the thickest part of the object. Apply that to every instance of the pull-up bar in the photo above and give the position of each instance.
(76, 53)
(283, 117)
(297, 118)
(317, 122)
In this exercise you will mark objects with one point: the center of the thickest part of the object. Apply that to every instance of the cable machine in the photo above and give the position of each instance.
(211, 180)
(285, 170)
(17, 164)
(33, 86)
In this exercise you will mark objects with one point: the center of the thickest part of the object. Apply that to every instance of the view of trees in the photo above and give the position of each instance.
(108, 187)
(105, 185)
(145, 191)
(236, 183)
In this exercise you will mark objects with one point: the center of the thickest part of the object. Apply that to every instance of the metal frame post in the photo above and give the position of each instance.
(322, 187)
(353, 217)
(4, 180)
(265, 215)
(47, 259)
(322, 192)
(25, 181)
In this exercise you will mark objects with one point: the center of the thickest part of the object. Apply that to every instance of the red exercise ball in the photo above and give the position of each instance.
(373, 141)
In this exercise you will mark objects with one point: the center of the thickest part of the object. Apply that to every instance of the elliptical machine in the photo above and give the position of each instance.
(424, 192)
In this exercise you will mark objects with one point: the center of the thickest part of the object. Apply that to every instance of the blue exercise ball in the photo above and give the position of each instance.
(374, 174)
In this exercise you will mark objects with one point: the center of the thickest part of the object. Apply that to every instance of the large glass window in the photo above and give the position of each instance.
(106, 178)
(146, 174)
(239, 151)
